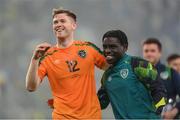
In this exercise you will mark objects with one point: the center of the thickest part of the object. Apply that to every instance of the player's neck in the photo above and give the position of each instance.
(65, 43)
(155, 62)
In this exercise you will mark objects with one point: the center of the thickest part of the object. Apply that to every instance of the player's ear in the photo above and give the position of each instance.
(125, 48)
(74, 25)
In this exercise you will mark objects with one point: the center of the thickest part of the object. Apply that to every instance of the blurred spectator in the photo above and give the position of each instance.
(174, 62)
(152, 51)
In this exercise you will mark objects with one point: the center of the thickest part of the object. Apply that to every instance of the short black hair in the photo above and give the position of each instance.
(172, 57)
(153, 41)
(120, 35)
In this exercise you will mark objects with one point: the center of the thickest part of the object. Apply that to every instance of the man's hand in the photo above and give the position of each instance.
(170, 115)
(40, 50)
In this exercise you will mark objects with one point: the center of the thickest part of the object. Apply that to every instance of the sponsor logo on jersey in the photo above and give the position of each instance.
(57, 61)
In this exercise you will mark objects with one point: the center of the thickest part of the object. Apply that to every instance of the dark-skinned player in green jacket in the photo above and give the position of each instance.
(131, 84)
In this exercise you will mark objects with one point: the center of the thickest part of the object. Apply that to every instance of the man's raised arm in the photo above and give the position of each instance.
(32, 78)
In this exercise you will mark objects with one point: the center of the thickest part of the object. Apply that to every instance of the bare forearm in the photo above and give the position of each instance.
(32, 79)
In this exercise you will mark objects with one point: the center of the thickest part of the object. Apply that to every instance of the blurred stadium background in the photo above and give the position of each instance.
(25, 23)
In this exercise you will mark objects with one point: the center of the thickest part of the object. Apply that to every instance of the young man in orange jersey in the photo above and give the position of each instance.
(69, 66)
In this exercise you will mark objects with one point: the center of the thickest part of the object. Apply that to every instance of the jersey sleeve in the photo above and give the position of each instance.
(42, 71)
(99, 59)
(148, 75)
(102, 93)
(103, 97)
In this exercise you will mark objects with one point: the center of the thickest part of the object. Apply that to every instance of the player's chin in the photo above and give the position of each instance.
(152, 60)
(61, 36)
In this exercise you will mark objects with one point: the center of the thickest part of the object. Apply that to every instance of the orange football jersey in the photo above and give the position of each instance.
(70, 72)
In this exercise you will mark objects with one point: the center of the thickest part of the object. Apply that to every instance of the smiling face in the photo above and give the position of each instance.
(113, 50)
(151, 53)
(63, 26)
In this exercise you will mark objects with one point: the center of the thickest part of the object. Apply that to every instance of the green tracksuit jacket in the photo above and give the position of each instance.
(133, 93)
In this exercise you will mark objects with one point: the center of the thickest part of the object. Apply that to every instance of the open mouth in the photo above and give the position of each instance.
(60, 29)
(109, 57)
